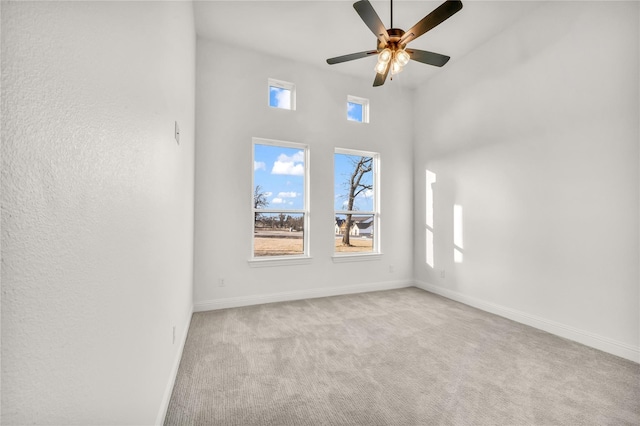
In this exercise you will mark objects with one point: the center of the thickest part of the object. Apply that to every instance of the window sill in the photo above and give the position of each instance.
(279, 261)
(344, 258)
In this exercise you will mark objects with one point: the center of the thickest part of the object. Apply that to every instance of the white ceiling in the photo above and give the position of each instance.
(311, 31)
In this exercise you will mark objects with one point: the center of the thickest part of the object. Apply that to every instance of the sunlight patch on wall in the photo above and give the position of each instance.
(431, 179)
(458, 242)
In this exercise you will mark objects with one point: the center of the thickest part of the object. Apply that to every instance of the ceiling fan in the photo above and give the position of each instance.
(392, 42)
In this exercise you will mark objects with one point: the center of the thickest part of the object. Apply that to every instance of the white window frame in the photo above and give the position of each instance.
(305, 257)
(281, 84)
(365, 108)
(376, 252)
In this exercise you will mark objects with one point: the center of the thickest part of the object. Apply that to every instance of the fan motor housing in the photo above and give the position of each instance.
(395, 34)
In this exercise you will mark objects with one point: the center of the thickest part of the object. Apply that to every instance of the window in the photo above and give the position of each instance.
(357, 109)
(280, 206)
(282, 94)
(356, 202)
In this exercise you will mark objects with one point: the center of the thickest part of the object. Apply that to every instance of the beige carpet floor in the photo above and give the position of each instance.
(399, 357)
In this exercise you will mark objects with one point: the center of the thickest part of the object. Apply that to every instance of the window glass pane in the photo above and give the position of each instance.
(356, 225)
(354, 111)
(353, 180)
(360, 230)
(280, 208)
(279, 97)
(278, 234)
(278, 176)
(357, 109)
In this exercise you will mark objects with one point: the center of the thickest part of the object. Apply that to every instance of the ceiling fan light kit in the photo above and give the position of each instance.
(392, 42)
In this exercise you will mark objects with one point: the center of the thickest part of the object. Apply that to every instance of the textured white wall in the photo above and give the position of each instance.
(231, 107)
(97, 207)
(535, 134)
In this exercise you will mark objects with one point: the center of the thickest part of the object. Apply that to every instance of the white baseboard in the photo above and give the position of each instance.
(164, 406)
(604, 344)
(235, 302)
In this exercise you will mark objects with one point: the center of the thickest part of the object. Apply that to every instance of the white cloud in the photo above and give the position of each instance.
(259, 165)
(280, 168)
(298, 157)
(268, 194)
(278, 201)
(289, 165)
(287, 194)
(282, 97)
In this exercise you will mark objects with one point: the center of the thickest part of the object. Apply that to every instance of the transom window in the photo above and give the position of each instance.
(280, 194)
(357, 109)
(282, 94)
(356, 202)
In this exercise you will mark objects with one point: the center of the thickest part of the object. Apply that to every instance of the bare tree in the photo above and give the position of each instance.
(259, 198)
(356, 187)
(259, 201)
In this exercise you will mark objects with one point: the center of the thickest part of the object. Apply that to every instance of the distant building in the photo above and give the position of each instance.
(361, 226)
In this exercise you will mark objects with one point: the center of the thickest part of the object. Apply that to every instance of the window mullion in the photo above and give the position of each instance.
(279, 211)
(356, 212)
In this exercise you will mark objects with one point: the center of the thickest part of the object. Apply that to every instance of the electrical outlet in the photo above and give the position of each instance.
(173, 340)
(221, 282)
(442, 273)
(392, 269)
(176, 133)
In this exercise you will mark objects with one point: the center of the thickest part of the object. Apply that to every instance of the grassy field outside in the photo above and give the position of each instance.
(358, 245)
(286, 243)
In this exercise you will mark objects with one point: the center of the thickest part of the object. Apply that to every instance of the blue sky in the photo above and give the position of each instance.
(354, 111)
(280, 173)
(343, 169)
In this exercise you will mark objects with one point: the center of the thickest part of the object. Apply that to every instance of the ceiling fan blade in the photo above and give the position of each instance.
(351, 57)
(371, 19)
(429, 58)
(435, 18)
(380, 78)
